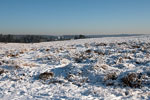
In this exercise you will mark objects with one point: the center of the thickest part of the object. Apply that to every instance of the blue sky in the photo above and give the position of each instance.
(74, 16)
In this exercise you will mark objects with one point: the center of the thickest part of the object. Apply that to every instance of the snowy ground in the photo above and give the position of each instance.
(90, 69)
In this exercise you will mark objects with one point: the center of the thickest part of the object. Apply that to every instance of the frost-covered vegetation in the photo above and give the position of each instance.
(104, 68)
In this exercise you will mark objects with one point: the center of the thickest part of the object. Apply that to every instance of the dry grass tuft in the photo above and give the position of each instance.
(29, 64)
(102, 66)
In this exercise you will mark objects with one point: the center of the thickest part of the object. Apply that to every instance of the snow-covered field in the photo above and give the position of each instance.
(90, 69)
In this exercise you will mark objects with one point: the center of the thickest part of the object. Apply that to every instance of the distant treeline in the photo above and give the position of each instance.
(45, 38)
(36, 38)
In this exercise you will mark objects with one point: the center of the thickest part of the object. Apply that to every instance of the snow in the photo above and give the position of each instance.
(85, 69)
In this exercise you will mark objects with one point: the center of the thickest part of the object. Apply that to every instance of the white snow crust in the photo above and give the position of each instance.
(81, 69)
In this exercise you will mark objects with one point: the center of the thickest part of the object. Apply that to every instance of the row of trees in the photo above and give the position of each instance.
(20, 39)
(35, 38)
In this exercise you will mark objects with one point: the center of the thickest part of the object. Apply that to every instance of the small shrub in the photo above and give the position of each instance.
(99, 52)
(135, 46)
(132, 80)
(1, 71)
(111, 76)
(0, 63)
(47, 49)
(12, 55)
(21, 52)
(78, 60)
(127, 57)
(122, 43)
(101, 44)
(55, 81)
(86, 45)
(120, 60)
(88, 51)
(46, 75)
(16, 66)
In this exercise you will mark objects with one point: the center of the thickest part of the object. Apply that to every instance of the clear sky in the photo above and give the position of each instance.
(74, 16)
